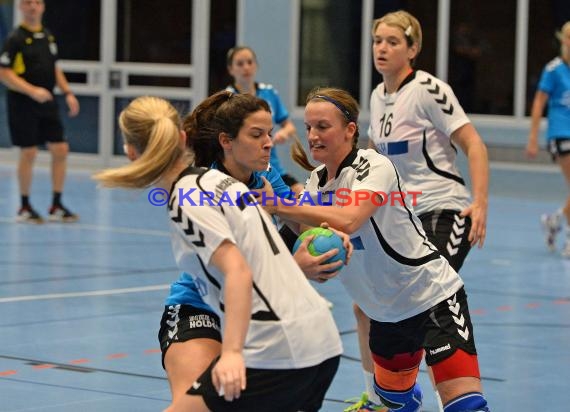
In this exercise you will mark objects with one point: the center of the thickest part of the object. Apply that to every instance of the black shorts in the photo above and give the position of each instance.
(181, 323)
(440, 330)
(32, 123)
(289, 180)
(449, 233)
(559, 146)
(268, 390)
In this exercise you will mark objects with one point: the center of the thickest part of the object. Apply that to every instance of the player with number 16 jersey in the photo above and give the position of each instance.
(412, 126)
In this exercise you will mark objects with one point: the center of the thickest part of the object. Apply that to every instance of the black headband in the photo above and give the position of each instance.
(338, 104)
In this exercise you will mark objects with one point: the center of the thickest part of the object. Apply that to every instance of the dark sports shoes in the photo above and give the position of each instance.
(29, 215)
(62, 214)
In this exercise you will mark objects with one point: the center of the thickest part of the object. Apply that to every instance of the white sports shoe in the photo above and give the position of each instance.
(566, 251)
(551, 224)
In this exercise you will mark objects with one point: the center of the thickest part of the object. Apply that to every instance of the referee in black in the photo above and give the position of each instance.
(28, 68)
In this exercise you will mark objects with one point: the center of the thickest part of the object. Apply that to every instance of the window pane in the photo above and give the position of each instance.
(4, 133)
(82, 131)
(482, 36)
(183, 107)
(75, 25)
(150, 31)
(329, 51)
(6, 12)
(545, 18)
(426, 13)
(222, 38)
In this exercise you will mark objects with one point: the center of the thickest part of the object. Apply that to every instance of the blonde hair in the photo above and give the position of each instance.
(348, 109)
(565, 29)
(152, 126)
(407, 23)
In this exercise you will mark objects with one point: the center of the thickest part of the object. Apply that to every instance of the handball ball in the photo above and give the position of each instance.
(324, 240)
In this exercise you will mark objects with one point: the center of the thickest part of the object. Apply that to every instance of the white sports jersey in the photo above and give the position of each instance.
(291, 326)
(395, 272)
(413, 127)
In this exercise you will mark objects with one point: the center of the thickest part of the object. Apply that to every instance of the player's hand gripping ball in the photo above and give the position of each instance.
(324, 240)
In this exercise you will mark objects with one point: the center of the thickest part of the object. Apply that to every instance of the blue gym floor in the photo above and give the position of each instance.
(80, 303)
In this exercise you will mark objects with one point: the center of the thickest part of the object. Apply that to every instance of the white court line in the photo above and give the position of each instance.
(83, 294)
(125, 230)
(525, 167)
(85, 226)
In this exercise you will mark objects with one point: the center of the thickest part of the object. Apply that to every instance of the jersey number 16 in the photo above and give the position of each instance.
(386, 125)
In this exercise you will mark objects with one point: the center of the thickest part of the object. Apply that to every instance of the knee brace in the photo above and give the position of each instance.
(404, 401)
(395, 381)
(468, 402)
(458, 365)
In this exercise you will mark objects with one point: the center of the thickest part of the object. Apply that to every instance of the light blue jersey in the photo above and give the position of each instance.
(279, 114)
(280, 188)
(185, 292)
(555, 81)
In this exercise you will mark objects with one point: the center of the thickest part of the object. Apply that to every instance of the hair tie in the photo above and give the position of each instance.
(408, 31)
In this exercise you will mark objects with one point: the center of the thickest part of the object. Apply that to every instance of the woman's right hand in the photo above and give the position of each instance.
(314, 267)
(532, 148)
(228, 375)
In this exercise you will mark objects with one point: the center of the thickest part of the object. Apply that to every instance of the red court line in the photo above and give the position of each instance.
(533, 305)
(78, 361)
(561, 301)
(7, 373)
(44, 366)
(150, 351)
(117, 356)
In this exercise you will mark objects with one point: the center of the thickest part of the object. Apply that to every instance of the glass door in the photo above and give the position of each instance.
(115, 50)
(6, 14)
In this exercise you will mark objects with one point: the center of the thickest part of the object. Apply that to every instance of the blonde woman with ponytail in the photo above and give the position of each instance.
(247, 276)
(153, 137)
(155, 144)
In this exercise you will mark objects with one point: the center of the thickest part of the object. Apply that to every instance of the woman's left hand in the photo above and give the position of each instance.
(478, 214)
(345, 241)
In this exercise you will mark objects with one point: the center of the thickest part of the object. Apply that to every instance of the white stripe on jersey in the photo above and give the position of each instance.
(291, 325)
(412, 127)
(395, 272)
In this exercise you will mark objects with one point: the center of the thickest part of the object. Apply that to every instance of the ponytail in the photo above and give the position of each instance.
(151, 126)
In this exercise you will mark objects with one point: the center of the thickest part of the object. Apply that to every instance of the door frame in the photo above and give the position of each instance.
(98, 81)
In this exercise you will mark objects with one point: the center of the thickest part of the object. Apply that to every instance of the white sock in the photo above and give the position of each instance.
(369, 385)
(439, 404)
(558, 217)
